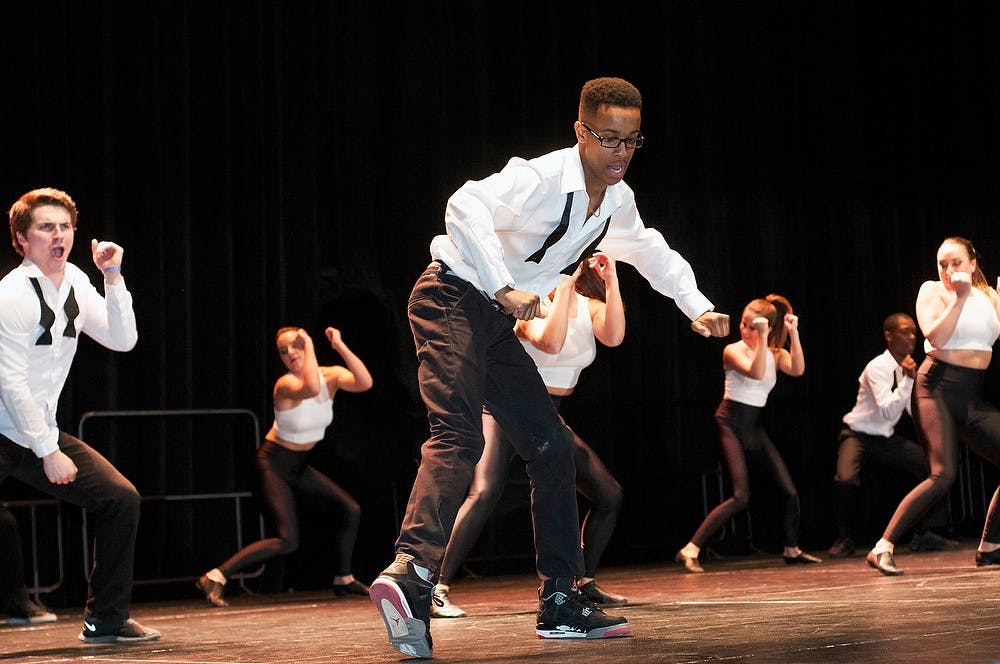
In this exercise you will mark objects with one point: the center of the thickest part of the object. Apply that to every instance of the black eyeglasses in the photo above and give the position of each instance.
(612, 142)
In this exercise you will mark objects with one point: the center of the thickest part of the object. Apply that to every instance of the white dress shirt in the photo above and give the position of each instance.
(33, 375)
(494, 224)
(879, 407)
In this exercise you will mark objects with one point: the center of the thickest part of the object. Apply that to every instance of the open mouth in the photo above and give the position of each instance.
(57, 252)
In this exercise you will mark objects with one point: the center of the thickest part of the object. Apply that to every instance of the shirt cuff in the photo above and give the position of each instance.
(46, 446)
(695, 305)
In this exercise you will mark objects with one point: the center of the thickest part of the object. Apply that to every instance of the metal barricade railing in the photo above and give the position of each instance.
(235, 496)
(37, 587)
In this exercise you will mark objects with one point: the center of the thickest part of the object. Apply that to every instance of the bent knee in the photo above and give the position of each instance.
(741, 500)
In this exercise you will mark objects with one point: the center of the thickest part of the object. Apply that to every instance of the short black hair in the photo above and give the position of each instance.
(608, 91)
(892, 321)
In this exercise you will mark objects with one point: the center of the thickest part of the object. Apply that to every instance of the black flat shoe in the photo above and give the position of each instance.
(352, 588)
(842, 548)
(984, 558)
(600, 596)
(884, 563)
(802, 559)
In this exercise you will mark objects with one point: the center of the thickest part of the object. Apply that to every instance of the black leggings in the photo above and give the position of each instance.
(281, 470)
(742, 438)
(947, 401)
(593, 482)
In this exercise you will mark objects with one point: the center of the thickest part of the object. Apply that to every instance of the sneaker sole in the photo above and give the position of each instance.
(114, 638)
(407, 634)
(33, 620)
(611, 631)
(438, 613)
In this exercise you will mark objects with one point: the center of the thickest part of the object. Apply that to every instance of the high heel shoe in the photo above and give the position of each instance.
(690, 563)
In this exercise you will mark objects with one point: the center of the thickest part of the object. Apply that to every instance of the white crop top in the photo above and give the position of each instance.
(743, 388)
(563, 369)
(307, 422)
(978, 326)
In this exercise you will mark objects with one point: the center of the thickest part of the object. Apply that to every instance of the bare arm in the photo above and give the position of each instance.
(938, 310)
(609, 316)
(355, 378)
(791, 361)
(549, 334)
(733, 358)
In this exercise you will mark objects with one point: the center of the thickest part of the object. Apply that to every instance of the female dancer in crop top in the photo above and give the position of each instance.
(750, 366)
(303, 408)
(585, 306)
(959, 317)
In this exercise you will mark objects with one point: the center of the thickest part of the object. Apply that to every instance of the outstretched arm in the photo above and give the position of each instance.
(355, 378)
(711, 324)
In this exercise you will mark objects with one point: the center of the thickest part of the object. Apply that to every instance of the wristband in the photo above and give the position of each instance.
(111, 268)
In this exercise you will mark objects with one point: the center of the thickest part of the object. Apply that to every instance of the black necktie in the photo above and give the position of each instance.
(556, 235)
(589, 251)
(48, 317)
(895, 384)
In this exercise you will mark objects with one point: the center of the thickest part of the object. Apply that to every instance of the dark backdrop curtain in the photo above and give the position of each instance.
(269, 163)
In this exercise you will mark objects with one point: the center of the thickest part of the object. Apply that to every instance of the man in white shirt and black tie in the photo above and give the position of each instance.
(884, 389)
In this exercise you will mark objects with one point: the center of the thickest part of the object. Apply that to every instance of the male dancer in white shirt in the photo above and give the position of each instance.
(45, 304)
(510, 237)
(884, 389)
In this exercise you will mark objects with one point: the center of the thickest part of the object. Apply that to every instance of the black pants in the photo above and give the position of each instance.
(280, 470)
(742, 439)
(12, 590)
(112, 504)
(593, 481)
(857, 449)
(469, 358)
(947, 401)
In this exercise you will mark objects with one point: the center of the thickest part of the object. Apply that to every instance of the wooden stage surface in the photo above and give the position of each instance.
(754, 609)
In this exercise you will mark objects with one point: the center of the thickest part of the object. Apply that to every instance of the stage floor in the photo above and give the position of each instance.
(748, 609)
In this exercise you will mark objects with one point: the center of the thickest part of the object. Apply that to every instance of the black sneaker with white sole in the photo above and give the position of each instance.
(402, 594)
(571, 615)
(97, 631)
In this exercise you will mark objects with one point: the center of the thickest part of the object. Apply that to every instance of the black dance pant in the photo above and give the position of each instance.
(12, 590)
(743, 439)
(946, 402)
(112, 504)
(857, 449)
(593, 482)
(280, 471)
(469, 359)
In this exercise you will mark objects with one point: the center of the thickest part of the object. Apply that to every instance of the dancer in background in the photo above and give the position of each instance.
(14, 601)
(584, 308)
(751, 366)
(959, 316)
(303, 409)
(869, 434)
